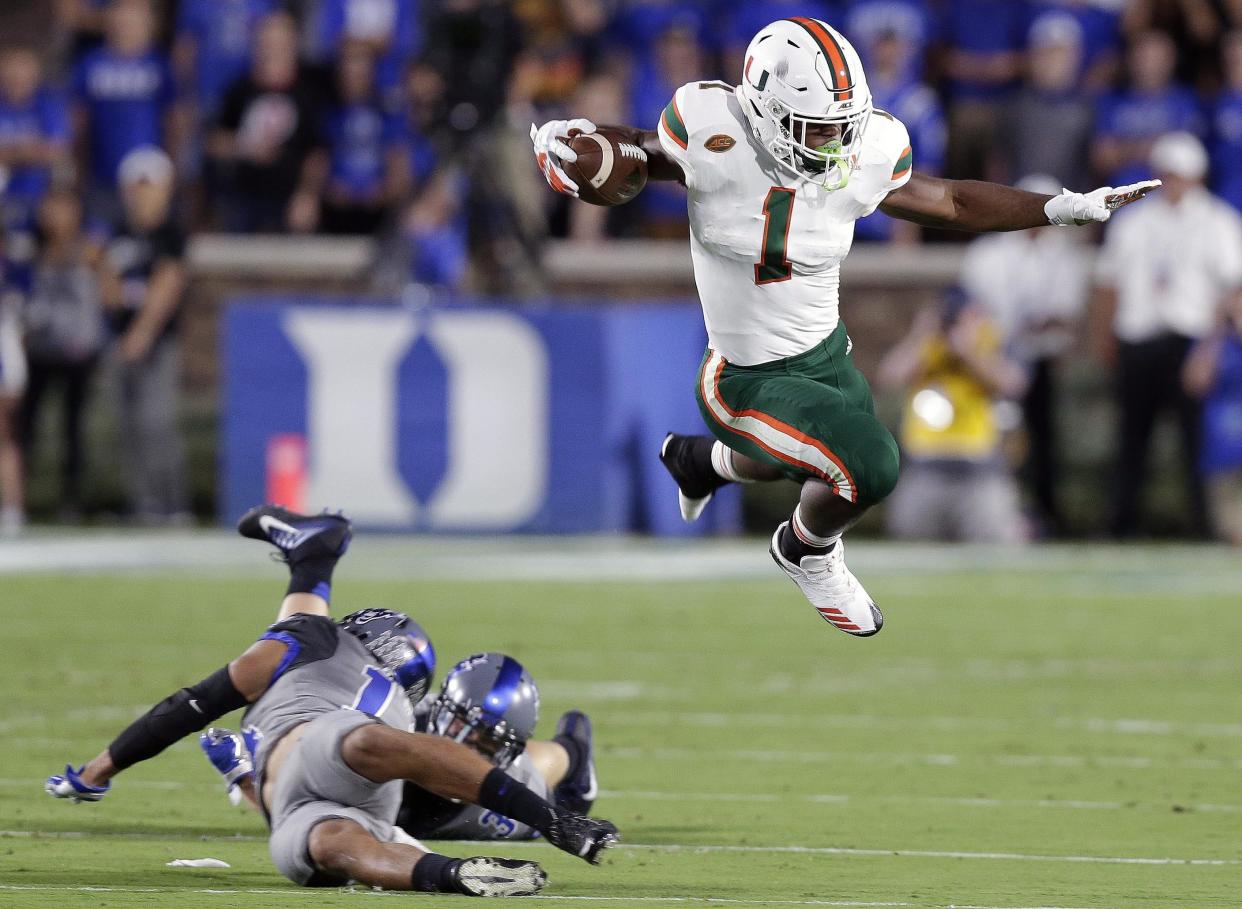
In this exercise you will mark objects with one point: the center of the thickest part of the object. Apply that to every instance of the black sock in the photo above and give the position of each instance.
(793, 548)
(434, 873)
(575, 750)
(700, 451)
(312, 576)
(505, 795)
(694, 463)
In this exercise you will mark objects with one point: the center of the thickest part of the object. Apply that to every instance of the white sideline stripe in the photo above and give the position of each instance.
(302, 893)
(962, 801)
(934, 759)
(85, 835)
(708, 848)
(937, 853)
(821, 798)
(1074, 570)
(622, 690)
(1103, 725)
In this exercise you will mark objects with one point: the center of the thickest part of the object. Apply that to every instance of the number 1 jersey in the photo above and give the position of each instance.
(767, 244)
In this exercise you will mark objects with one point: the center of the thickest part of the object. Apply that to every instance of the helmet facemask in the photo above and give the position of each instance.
(471, 726)
(827, 164)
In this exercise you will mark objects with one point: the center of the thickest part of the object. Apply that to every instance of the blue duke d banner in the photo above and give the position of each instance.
(466, 418)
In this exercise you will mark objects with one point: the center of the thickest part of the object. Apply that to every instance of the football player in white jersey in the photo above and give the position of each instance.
(777, 170)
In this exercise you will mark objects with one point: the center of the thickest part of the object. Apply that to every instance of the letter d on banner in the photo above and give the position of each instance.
(498, 420)
(498, 433)
(351, 361)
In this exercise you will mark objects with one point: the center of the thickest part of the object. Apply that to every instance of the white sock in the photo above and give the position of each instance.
(810, 539)
(722, 463)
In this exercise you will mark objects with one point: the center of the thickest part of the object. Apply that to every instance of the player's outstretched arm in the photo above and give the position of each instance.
(974, 205)
(552, 151)
(172, 719)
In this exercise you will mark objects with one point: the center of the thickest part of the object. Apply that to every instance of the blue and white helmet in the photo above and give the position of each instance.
(490, 702)
(400, 645)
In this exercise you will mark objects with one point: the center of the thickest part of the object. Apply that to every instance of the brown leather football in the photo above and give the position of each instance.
(609, 169)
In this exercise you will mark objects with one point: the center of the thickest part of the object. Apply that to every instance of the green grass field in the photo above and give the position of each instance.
(1060, 729)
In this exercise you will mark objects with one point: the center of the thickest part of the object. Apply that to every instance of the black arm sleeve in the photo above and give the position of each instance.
(175, 717)
(505, 795)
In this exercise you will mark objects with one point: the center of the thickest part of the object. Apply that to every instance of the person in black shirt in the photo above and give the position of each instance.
(142, 281)
(266, 145)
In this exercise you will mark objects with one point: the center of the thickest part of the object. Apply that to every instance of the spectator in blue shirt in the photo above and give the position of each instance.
(984, 42)
(866, 21)
(125, 99)
(1100, 38)
(391, 28)
(914, 104)
(366, 157)
(434, 225)
(1213, 372)
(1129, 121)
(212, 48)
(34, 133)
(1227, 125)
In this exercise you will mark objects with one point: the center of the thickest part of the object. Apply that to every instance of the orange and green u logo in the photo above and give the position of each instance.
(842, 78)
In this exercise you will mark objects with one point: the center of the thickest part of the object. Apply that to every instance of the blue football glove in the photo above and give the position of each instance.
(229, 753)
(70, 786)
(252, 736)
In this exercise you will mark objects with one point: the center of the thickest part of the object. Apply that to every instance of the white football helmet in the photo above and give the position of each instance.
(800, 73)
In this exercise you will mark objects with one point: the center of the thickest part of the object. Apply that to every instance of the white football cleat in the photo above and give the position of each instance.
(487, 876)
(832, 589)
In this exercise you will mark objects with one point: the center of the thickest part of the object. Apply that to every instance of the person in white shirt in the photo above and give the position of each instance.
(1035, 286)
(1163, 272)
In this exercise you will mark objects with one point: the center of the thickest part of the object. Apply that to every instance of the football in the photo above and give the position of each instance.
(610, 170)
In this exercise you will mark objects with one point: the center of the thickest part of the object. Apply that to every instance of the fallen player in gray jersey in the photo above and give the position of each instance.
(489, 703)
(332, 705)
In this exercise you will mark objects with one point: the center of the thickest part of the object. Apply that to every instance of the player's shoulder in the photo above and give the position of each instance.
(309, 637)
(885, 140)
(701, 108)
(884, 161)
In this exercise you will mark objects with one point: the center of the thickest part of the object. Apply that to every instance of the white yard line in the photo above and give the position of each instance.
(818, 798)
(710, 848)
(1074, 569)
(931, 759)
(312, 894)
(1129, 726)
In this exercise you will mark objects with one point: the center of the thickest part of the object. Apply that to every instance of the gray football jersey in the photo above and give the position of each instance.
(324, 669)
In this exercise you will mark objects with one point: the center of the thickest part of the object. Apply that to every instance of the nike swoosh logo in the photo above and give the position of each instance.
(194, 703)
(286, 536)
(267, 524)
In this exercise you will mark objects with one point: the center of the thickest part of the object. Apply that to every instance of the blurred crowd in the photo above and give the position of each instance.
(408, 117)
(128, 125)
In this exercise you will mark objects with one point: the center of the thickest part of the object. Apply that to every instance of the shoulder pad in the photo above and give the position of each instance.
(310, 638)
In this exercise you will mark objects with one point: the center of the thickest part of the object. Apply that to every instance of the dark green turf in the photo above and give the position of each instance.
(1058, 717)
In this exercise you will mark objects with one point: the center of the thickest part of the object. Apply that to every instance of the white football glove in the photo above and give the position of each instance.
(1097, 205)
(550, 151)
